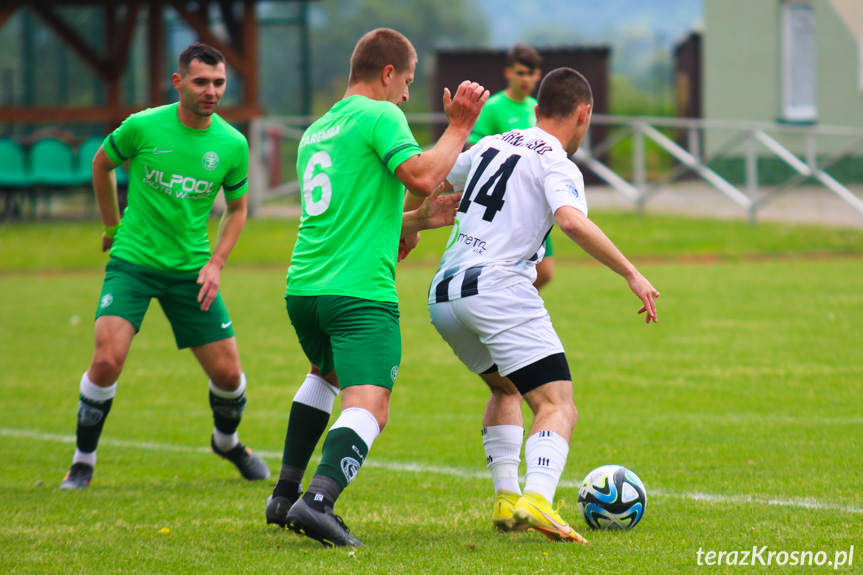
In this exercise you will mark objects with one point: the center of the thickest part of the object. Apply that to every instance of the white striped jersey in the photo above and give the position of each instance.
(513, 183)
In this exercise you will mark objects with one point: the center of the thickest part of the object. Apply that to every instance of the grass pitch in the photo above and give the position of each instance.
(740, 410)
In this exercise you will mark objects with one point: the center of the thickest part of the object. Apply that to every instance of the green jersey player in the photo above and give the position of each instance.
(513, 108)
(370, 216)
(502, 113)
(354, 164)
(179, 156)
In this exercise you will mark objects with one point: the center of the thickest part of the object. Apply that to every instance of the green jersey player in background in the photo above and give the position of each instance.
(180, 156)
(354, 164)
(515, 109)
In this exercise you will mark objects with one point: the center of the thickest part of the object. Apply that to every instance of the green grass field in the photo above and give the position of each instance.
(742, 411)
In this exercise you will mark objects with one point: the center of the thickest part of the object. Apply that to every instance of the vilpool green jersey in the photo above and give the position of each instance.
(175, 173)
(502, 114)
(352, 201)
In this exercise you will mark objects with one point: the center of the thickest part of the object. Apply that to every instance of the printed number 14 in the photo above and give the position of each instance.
(492, 199)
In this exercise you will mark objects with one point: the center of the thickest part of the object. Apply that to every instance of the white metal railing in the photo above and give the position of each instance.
(822, 147)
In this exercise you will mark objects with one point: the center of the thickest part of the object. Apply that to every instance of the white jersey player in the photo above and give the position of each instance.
(512, 185)
(515, 187)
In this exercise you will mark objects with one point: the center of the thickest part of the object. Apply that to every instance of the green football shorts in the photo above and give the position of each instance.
(549, 249)
(128, 289)
(358, 338)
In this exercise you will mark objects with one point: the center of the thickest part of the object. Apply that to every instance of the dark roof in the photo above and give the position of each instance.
(120, 2)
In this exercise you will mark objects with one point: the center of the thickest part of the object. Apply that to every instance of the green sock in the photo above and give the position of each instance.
(343, 454)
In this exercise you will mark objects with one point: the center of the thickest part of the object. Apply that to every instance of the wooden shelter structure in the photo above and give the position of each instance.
(119, 19)
(486, 67)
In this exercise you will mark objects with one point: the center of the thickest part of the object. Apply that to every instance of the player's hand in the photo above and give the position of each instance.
(463, 109)
(647, 293)
(106, 242)
(208, 279)
(407, 244)
(437, 210)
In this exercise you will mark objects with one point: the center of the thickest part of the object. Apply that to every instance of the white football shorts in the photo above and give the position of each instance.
(509, 327)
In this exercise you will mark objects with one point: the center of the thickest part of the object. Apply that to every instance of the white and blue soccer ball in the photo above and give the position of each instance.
(612, 497)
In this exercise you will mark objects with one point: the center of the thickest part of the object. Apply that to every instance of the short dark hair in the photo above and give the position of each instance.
(376, 50)
(524, 55)
(561, 92)
(203, 52)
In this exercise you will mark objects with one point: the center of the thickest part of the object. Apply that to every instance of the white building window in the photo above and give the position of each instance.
(798, 61)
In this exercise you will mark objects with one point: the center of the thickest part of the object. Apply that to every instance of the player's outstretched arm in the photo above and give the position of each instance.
(408, 242)
(422, 173)
(230, 227)
(594, 241)
(436, 211)
(105, 189)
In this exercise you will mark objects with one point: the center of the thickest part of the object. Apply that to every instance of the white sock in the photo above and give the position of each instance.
(502, 444)
(92, 391)
(227, 441)
(225, 394)
(361, 421)
(81, 457)
(545, 453)
(317, 392)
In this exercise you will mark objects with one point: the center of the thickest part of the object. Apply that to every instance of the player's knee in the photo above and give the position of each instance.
(227, 377)
(330, 378)
(506, 393)
(511, 395)
(381, 413)
(105, 369)
(567, 414)
(573, 416)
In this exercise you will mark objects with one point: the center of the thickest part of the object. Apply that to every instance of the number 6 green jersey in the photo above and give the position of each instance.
(352, 201)
(175, 173)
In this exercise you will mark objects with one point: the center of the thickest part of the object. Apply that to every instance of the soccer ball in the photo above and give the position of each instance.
(612, 497)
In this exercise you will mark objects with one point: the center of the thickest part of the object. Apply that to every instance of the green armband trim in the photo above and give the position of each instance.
(111, 231)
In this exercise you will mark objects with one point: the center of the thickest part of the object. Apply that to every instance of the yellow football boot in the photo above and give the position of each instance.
(533, 511)
(501, 517)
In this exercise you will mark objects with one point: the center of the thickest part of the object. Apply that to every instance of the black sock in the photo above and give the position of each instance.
(289, 489)
(227, 413)
(91, 420)
(306, 426)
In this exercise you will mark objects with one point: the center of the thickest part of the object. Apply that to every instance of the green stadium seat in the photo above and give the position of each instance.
(15, 178)
(14, 172)
(53, 164)
(86, 153)
(122, 175)
(84, 160)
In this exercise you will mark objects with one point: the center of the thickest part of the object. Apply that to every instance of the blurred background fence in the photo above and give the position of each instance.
(750, 164)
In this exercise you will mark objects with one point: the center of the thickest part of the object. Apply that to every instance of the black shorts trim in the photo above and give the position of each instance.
(492, 369)
(548, 369)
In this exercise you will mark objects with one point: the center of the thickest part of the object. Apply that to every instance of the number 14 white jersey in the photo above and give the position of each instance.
(513, 183)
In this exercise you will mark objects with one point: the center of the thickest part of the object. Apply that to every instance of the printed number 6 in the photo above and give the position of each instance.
(321, 180)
